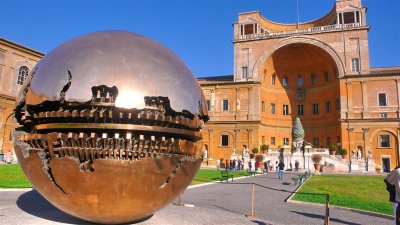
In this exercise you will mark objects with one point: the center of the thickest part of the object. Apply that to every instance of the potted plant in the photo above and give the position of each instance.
(378, 168)
(259, 161)
(254, 152)
(343, 152)
(316, 158)
(333, 149)
(264, 148)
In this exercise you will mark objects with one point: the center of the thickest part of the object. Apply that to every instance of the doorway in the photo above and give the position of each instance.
(386, 165)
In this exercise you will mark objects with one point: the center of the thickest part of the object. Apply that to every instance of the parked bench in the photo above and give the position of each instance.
(250, 173)
(225, 175)
(301, 178)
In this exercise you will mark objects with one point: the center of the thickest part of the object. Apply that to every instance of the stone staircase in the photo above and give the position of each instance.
(341, 165)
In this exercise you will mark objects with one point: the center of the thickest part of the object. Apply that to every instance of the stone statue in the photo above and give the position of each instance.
(245, 151)
(359, 154)
(234, 151)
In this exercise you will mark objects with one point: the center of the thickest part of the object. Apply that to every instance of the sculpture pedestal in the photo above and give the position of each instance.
(354, 164)
(246, 160)
(370, 165)
(298, 156)
(234, 156)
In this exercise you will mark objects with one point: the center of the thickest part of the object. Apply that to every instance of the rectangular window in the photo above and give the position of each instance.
(384, 115)
(300, 110)
(244, 72)
(313, 79)
(384, 141)
(315, 109)
(286, 141)
(272, 140)
(315, 142)
(328, 141)
(337, 104)
(285, 110)
(382, 99)
(285, 81)
(300, 81)
(10, 137)
(208, 102)
(355, 65)
(262, 106)
(338, 139)
(225, 105)
(327, 77)
(262, 140)
(273, 77)
(327, 107)
(272, 108)
(224, 140)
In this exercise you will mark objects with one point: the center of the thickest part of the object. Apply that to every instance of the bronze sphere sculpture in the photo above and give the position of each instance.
(110, 127)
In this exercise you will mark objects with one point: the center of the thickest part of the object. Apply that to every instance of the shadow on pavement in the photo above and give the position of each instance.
(259, 222)
(33, 203)
(323, 218)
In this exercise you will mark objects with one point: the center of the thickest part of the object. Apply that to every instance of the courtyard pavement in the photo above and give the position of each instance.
(217, 203)
(270, 206)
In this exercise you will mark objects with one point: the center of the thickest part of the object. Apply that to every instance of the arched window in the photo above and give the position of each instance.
(22, 74)
(285, 81)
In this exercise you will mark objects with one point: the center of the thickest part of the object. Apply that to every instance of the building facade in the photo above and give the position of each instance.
(318, 71)
(16, 62)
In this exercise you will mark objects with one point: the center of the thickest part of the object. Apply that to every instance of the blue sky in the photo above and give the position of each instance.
(199, 31)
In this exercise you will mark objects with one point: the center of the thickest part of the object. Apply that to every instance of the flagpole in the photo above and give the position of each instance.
(298, 16)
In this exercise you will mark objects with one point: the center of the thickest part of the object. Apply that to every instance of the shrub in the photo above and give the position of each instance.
(254, 150)
(343, 152)
(264, 148)
(333, 147)
(316, 158)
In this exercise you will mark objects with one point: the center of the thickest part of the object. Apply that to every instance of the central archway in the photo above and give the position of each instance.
(301, 79)
(298, 40)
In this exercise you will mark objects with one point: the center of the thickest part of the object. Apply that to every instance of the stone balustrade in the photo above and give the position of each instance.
(310, 30)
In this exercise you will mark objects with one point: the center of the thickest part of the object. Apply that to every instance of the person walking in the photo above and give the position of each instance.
(266, 166)
(281, 167)
(290, 165)
(296, 166)
(392, 181)
(276, 166)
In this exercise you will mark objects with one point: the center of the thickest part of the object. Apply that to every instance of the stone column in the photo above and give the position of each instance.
(337, 19)
(236, 130)
(398, 147)
(342, 19)
(212, 100)
(349, 100)
(3, 123)
(249, 131)
(237, 103)
(210, 147)
(365, 131)
(349, 131)
(352, 163)
(249, 102)
(398, 97)
(364, 97)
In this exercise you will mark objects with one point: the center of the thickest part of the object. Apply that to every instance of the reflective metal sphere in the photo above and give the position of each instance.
(110, 127)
